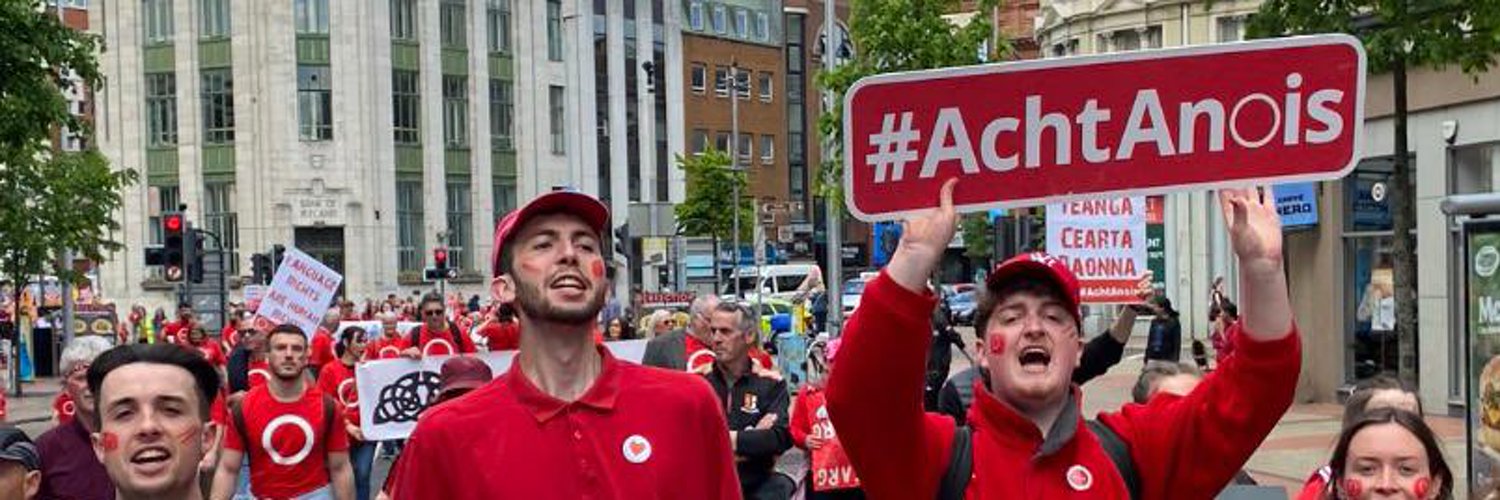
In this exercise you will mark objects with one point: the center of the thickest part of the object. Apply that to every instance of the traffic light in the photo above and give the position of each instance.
(277, 253)
(260, 268)
(193, 255)
(174, 243)
(622, 241)
(440, 259)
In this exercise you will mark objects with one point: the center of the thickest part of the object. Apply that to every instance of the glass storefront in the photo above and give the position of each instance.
(1369, 303)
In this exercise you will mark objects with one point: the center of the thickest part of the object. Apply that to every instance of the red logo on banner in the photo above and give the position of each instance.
(1035, 132)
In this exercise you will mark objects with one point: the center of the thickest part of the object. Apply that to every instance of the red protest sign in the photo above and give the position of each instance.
(1148, 122)
(831, 469)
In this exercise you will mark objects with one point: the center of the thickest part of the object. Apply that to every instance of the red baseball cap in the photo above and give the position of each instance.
(1038, 265)
(568, 201)
(463, 372)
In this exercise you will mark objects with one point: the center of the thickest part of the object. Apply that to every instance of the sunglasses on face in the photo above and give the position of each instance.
(433, 312)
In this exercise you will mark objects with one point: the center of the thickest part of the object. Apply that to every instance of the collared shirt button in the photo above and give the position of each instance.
(577, 435)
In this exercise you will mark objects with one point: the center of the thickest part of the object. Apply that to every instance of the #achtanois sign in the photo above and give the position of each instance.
(1102, 126)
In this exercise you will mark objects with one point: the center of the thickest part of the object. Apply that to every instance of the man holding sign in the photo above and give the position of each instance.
(1026, 433)
(568, 419)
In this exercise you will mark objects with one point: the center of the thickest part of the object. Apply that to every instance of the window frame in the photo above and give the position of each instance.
(554, 31)
(497, 17)
(403, 20)
(409, 225)
(502, 114)
(767, 149)
(453, 25)
(406, 100)
(216, 101)
(320, 96)
(557, 115)
(158, 25)
(310, 16)
(767, 91)
(161, 109)
(455, 111)
(214, 19)
(698, 78)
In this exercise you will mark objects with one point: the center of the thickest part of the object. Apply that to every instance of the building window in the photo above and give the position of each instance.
(454, 27)
(766, 92)
(742, 84)
(409, 225)
(167, 198)
(156, 19)
(404, 20)
(741, 23)
(746, 148)
(456, 111)
(720, 19)
(406, 106)
(1064, 49)
(721, 81)
(762, 26)
(721, 141)
(700, 141)
(218, 106)
(505, 198)
(695, 15)
(312, 16)
(460, 220)
(767, 149)
(219, 215)
(555, 117)
(215, 19)
(498, 15)
(699, 78)
(314, 103)
(502, 111)
(554, 30)
(161, 109)
(1230, 29)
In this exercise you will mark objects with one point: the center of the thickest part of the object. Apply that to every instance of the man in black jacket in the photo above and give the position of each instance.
(252, 347)
(755, 404)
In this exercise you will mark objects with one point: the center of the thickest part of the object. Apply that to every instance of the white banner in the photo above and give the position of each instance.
(300, 292)
(1104, 242)
(393, 392)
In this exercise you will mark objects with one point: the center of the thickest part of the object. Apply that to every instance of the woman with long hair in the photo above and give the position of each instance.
(1387, 453)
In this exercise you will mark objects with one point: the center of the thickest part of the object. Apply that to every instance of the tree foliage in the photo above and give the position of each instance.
(49, 200)
(706, 210)
(892, 36)
(979, 236)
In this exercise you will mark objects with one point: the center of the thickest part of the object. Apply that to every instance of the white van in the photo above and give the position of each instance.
(779, 281)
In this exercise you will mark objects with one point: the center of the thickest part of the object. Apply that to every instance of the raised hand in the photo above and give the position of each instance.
(923, 241)
(1255, 233)
(1254, 226)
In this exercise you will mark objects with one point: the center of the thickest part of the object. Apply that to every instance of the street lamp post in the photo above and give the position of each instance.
(734, 162)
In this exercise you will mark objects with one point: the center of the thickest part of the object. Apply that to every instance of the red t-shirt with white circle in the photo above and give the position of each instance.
(63, 408)
(384, 347)
(210, 351)
(289, 448)
(259, 373)
(441, 343)
(337, 380)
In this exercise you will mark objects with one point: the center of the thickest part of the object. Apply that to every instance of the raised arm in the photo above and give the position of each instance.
(875, 391)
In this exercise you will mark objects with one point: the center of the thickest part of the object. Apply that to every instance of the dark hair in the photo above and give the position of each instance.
(1414, 424)
(1165, 304)
(1032, 283)
(505, 312)
(1144, 384)
(204, 375)
(1226, 308)
(1359, 399)
(431, 297)
(346, 337)
(286, 329)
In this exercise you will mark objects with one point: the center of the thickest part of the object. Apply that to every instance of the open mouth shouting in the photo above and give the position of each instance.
(1034, 359)
(150, 460)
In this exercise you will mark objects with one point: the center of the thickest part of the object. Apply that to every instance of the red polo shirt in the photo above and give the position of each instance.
(638, 432)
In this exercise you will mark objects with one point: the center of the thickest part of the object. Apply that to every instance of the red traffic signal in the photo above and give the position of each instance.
(172, 223)
(440, 257)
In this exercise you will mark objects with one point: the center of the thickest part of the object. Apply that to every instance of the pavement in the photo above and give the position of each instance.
(32, 412)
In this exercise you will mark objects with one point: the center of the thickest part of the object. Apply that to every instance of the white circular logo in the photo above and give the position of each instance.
(700, 358)
(388, 352)
(1377, 191)
(447, 348)
(276, 456)
(347, 394)
(1486, 260)
(636, 449)
(1080, 478)
(822, 412)
(265, 376)
(68, 408)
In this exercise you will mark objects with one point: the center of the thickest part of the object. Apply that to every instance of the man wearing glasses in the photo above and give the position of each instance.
(675, 350)
(437, 336)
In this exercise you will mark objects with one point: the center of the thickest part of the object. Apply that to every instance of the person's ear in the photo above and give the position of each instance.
(503, 288)
(33, 483)
(98, 450)
(211, 434)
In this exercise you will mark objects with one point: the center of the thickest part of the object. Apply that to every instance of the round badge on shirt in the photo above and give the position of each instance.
(636, 449)
(1080, 478)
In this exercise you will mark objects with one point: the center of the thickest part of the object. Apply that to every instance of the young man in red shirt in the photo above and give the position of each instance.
(437, 336)
(500, 330)
(291, 432)
(176, 332)
(568, 420)
(1028, 438)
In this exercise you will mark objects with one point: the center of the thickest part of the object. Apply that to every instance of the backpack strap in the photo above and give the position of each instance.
(328, 416)
(237, 413)
(955, 480)
(1119, 453)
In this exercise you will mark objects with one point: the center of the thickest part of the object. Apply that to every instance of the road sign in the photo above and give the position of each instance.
(1044, 131)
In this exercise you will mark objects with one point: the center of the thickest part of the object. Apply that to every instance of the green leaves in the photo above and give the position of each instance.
(898, 35)
(1433, 33)
(979, 235)
(710, 186)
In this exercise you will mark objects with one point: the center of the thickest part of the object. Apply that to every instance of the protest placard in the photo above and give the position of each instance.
(1104, 243)
(393, 392)
(831, 469)
(1044, 131)
(299, 293)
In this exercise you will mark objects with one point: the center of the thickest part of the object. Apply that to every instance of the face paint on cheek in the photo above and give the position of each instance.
(996, 346)
(597, 270)
(1422, 487)
(1353, 488)
(188, 436)
(109, 441)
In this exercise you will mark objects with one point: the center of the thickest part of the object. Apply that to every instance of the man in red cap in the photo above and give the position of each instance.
(1026, 437)
(568, 420)
(459, 375)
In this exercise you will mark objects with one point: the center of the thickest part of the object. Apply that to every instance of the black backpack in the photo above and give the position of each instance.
(955, 480)
(460, 338)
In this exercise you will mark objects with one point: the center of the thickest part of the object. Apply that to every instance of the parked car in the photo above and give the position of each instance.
(961, 307)
(853, 289)
(778, 281)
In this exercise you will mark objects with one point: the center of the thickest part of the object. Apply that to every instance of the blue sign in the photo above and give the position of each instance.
(1297, 204)
(886, 236)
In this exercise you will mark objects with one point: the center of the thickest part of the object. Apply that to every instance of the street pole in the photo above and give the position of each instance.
(734, 162)
(835, 286)
(68, 304)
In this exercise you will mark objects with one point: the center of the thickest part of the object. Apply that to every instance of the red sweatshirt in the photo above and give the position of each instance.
(1186, 447)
